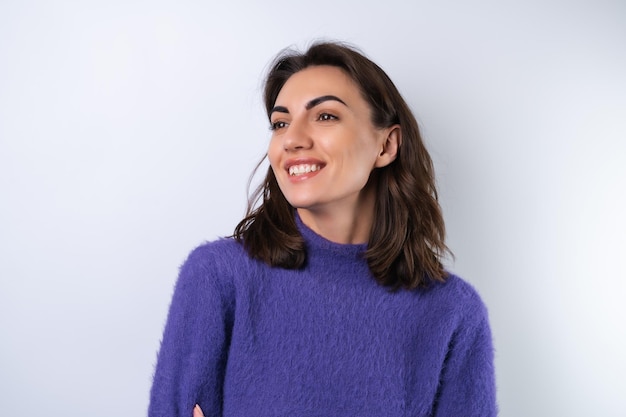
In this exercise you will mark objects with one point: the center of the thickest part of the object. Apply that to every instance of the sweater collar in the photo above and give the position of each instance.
(317, 244)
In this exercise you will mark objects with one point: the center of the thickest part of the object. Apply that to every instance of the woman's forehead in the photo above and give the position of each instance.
(318, 81)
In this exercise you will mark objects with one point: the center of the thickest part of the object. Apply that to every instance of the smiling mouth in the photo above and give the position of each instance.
(302, 169)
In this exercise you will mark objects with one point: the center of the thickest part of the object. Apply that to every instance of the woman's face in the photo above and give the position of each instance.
(324, 145)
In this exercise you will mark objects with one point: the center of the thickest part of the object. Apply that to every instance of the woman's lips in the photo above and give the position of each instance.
(302, 169)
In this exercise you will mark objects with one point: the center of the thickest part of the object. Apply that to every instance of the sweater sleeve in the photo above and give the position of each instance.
(192, 358)
(467, 384)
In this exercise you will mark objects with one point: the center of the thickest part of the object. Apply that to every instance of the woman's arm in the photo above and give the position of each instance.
(467, 385)
(192, 357)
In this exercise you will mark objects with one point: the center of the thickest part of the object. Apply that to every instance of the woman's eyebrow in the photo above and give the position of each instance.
(279, 109)
(322, 99)
(314, 102)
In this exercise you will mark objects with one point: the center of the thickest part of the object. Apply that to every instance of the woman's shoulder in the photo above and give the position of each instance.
(460, 288)
(223, 250)
(459, 296)
(216, 261)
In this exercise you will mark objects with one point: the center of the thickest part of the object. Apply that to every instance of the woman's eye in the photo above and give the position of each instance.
(327, 116)
(277, 125)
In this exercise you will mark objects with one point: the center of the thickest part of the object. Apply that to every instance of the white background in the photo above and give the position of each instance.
(128, 130)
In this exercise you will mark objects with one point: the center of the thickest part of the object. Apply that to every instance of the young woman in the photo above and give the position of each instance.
(331, 298)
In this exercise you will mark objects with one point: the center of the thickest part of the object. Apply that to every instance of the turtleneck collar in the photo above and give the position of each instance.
(317, 244)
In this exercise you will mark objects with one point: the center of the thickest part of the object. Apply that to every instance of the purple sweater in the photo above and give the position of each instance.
(244, 339)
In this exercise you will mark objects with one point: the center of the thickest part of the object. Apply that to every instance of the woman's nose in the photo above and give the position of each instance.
(297, 137)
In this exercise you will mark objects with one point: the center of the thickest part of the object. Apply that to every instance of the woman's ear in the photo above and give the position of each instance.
(389, 147)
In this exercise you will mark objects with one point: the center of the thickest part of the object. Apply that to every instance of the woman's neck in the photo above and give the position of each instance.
(346, 225)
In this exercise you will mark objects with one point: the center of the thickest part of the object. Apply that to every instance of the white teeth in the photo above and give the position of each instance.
(303, 169)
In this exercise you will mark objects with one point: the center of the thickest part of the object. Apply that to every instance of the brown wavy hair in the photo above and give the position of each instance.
(406, 242)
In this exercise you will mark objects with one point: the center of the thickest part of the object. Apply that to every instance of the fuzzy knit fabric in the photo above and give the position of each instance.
(245, 339)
